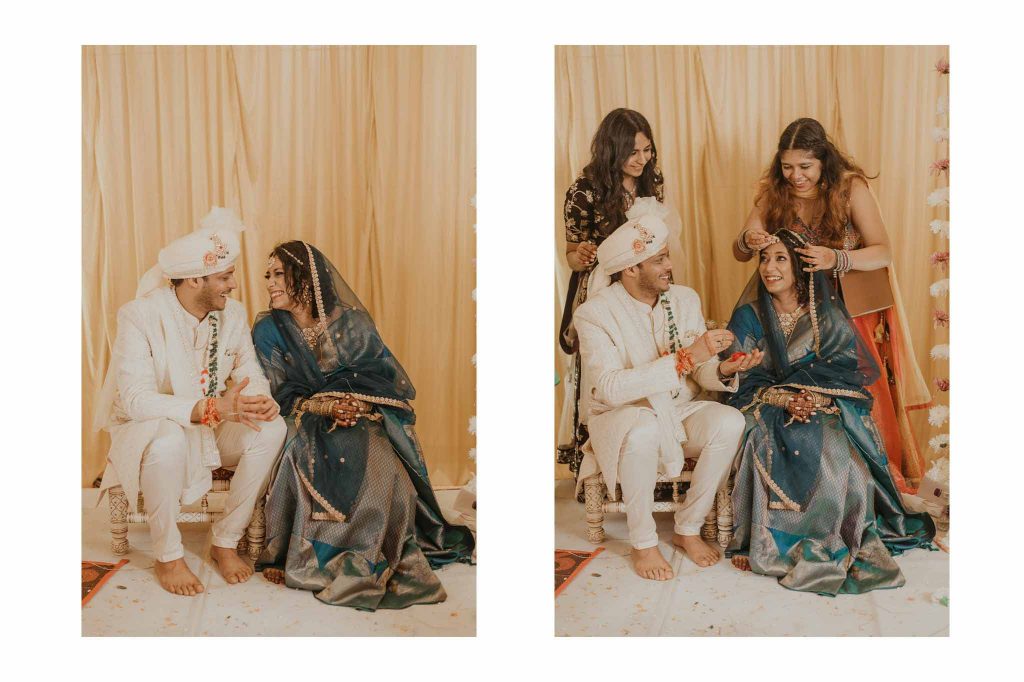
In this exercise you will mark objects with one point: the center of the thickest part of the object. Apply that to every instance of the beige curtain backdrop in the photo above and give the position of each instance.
(367, 152)
(717, 113)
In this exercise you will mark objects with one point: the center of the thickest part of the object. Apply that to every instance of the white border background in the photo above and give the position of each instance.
(41, 127)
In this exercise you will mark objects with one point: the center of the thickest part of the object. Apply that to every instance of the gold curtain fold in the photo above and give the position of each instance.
(368, 152)
(717, 113)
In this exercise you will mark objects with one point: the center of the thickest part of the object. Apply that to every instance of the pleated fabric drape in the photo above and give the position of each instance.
(368, 152)
(717, 113)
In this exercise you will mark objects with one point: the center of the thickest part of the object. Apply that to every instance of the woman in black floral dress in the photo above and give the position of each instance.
(623, 167)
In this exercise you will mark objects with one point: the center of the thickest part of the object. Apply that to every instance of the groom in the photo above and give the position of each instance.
(646, 355)
(165, 403)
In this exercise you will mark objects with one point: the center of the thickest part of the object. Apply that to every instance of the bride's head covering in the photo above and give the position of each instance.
(366, 365)
(847, 360)
(642, 236)
(322, 285)
(212, 248)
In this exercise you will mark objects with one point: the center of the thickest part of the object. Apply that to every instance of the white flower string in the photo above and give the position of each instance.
(939, 288)
(938, 415)
(472, 419)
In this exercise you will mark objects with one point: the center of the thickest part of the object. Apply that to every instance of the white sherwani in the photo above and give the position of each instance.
(634, 402)
(154, 383)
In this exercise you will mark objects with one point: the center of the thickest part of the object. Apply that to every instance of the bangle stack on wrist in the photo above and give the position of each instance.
(842, 262)
(741, 244)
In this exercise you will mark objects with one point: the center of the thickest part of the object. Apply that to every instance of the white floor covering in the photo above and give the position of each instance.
(132, 603)
(608, 599)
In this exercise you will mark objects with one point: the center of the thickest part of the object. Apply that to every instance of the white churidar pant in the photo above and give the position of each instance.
(714, 434)
(253, 453)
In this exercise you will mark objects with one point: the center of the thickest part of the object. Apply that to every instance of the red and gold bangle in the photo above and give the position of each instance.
(211, 417)
(684, 362)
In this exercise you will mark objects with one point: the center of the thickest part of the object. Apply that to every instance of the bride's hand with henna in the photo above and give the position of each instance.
(801, 406)
(348, 410)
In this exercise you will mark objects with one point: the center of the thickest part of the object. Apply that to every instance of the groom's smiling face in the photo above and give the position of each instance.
(216, 289)
(655, 273)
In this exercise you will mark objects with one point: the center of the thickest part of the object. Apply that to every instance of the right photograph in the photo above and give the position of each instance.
(752, 340)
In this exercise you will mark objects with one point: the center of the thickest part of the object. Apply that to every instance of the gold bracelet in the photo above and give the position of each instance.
(776, 397)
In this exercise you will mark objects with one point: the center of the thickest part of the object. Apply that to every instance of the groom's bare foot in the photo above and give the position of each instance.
(176, 578)
(231, 566)
(741, 562)
(648, 563)
(274, 575)
(700, 552)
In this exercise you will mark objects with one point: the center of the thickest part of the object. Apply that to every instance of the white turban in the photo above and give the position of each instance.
(639, 238)
(642, 236)
(211, 249)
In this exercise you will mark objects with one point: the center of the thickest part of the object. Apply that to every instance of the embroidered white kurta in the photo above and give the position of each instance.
(154, 374)
(622, 341)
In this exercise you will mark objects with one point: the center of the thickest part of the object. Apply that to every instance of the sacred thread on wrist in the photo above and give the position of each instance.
(211, 417)
(684, 362)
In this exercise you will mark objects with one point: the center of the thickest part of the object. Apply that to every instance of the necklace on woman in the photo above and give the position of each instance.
(311, 335)
(788, 320)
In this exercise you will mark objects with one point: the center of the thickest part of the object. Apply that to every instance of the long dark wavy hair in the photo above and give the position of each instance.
(838, 172)
(613, 142)
(299, 281)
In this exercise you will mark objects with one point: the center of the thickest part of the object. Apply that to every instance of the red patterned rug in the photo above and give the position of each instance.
(94, 574)
(568, 563)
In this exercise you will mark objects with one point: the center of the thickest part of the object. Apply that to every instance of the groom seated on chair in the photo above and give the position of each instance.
(165, 405)
(646, 355)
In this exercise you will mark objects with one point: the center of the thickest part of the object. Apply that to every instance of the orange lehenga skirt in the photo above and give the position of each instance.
(900, 388)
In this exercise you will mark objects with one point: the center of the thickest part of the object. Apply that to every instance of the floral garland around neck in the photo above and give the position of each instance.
(673, 330)
(207, 379)
(211, 362)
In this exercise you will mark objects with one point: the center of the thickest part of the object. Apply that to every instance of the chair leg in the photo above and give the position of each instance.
(256, 533)
(723, 501)
(118, 520)
(594, 493)
(709, 531)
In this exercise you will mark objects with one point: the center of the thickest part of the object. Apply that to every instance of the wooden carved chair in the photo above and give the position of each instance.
(199, 512)
(668, 497)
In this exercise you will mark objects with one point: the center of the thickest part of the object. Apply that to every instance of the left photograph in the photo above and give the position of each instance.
(278, 340)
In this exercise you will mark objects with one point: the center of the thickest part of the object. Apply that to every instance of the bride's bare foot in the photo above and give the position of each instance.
(176, 578)
(700, 552)
(274, 575)
(231, 566)
(648, 563)
(741, 562)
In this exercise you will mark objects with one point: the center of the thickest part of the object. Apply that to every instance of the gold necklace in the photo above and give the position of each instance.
(788, 320)
(311, 335)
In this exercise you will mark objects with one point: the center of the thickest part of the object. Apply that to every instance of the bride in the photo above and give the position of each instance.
(351, 515)
(815, 504)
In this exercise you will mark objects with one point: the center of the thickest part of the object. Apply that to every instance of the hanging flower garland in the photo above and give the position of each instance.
(472, 419)
(938, 198)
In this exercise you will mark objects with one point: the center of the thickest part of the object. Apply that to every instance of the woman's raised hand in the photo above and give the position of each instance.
(586, 253)
(817, 257)
(755, 238)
